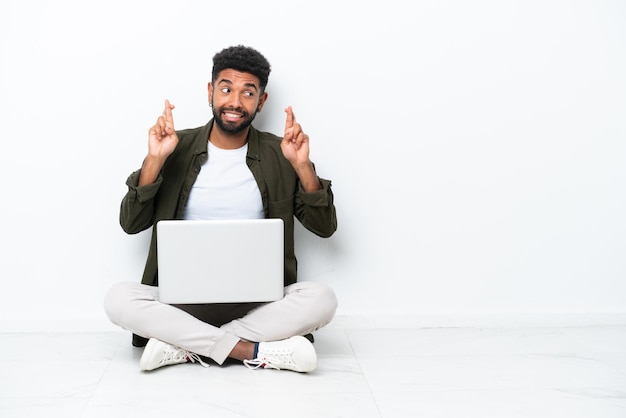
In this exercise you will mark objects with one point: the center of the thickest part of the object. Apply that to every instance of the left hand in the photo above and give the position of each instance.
(295, 143)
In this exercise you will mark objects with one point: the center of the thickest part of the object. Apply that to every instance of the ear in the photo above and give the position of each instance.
(210, 91)
(262, 100)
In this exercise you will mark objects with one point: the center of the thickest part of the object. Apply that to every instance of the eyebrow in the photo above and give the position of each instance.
(227, 81)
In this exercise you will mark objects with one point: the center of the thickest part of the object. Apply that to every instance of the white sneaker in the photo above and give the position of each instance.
(158, 354)
(295, 353)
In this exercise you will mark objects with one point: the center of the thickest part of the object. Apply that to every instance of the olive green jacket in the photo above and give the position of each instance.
(281, 193)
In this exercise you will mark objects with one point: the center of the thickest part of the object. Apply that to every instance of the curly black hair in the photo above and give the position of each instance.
(244, 59)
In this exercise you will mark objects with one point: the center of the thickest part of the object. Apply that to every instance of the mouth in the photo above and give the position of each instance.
(232, 116)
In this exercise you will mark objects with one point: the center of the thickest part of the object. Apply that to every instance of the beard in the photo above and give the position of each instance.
(233, 127)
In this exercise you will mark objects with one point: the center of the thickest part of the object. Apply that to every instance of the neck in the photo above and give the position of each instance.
(225, 140)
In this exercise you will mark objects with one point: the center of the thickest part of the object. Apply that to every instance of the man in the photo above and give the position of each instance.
(227, 169)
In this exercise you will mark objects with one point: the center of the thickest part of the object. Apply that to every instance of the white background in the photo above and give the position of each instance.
(476, 148)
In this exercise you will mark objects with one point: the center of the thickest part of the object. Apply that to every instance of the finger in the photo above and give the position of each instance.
(167, 113)
(291, 118)
(161, 126)
(287, 137)
(301, 139)
(168, 127)
(296, 132)
(156, 131)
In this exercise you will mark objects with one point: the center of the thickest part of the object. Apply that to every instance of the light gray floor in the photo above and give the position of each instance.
(423, 372)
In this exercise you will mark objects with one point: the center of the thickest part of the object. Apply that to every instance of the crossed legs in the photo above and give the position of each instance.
(305, 307)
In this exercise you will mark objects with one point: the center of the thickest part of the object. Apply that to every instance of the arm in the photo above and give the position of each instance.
(137, 208)
(314, 206)
(316, 210)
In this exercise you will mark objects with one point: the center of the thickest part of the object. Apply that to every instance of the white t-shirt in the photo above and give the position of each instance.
(225, 188)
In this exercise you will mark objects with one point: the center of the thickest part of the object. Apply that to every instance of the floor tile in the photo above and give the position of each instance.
(234, 403)
(489, 372)
(390, 373)
(499, 404)
(34, 407)
(600, 339)
(461, 341)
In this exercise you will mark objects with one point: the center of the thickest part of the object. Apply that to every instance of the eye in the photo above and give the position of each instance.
(248, 94)
(225, 90)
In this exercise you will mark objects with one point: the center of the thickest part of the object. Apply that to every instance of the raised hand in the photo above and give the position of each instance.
(295, 143)
(295, 147)
(162, 141)
(162, 138)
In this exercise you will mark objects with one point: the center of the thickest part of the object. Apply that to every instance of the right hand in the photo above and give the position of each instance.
(162, 138)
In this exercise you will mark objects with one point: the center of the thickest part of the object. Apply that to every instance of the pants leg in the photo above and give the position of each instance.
(305, 307)
(136, 308)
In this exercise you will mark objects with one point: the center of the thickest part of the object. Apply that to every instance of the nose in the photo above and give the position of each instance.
(234, 101)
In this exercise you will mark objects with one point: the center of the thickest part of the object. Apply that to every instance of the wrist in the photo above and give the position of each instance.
(308, 177)
(150, 169)
(304, 167)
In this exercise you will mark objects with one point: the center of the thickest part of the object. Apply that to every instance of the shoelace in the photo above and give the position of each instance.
(254, 364)
(179, 355)
(269, 362)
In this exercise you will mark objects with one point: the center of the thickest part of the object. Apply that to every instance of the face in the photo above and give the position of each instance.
(236, 99)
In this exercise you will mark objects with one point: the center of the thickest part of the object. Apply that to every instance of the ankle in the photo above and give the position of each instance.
(243, 350)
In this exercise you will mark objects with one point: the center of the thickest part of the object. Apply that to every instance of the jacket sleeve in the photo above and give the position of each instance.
(137, 207)
(316, 210)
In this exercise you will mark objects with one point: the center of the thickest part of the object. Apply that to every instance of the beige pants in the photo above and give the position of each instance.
(306, 307)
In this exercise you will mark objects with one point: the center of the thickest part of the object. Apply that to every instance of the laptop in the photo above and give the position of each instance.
(220, 261)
